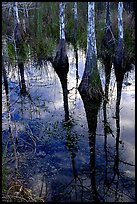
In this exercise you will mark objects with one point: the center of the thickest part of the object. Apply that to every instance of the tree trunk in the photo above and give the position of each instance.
(75, 22)
(108, 21)
(120, 33)
(91, 83)
(60, 62)
(17, 34)
(108, 43)
(62, 20)
(19, 46)
(23, 85)
(5, 80)
(119, 54)
(75, 41)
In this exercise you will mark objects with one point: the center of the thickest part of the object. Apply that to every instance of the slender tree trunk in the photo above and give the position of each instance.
(5, 81)
(65, 98)
(118, 61)
(75, 41)
(24, 19)
(62, 20)
(120, 49)
(17, 34)
(75, 22)
(107, 48)
(108, 21)
(18, 43)
(119, 54)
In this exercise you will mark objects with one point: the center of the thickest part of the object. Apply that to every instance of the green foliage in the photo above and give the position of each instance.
(11, 52)
(43, 27)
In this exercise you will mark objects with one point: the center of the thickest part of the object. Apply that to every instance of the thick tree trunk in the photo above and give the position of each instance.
(91, 83)
(61, 67)
(60, 62)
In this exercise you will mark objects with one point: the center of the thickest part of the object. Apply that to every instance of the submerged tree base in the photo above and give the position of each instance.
(90, 85)
(61, 66)
(60, 62)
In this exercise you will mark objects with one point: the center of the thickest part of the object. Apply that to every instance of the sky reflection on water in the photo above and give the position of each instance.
(56, 146)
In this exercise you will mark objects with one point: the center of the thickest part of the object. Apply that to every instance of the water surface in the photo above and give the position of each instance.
(55, 160)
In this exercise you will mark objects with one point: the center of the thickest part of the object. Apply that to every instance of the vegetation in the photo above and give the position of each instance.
(41, 38)
(42, 26)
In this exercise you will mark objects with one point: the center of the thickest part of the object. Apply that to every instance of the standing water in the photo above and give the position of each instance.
(54, 159)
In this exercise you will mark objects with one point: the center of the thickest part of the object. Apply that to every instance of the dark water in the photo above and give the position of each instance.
(61, 162)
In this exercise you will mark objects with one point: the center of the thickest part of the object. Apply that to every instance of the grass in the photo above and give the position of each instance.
(13, 190)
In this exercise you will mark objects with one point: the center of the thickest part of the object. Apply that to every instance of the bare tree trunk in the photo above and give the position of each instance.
(5, 81)
(120, 47)
(75, 41)
(108, 21)
(17, 34)
(62, 20)
(91, 83)
(107, 48)
(18, 43)
(75, 22)
(119, 54)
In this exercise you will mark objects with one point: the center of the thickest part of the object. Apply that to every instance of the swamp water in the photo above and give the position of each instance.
(60, 162)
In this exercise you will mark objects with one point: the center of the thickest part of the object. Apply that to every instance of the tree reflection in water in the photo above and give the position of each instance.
(108, 183)
(104, 178)
(92, 108)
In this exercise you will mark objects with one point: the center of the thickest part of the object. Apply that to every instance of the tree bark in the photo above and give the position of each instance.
(62, 20)
(91, 83)
(19, 46)
(119, 53)
(5, 80)
(60, 62)
(108, 21)
(75, 22)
